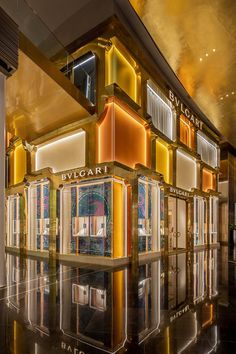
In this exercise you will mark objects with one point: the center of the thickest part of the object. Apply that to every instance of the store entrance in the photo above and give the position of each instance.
(177, 220)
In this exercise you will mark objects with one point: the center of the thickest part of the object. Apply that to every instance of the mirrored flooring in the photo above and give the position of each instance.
(183, 303)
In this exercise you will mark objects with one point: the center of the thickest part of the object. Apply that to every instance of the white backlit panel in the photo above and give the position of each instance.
(186, 174)
(64, 153)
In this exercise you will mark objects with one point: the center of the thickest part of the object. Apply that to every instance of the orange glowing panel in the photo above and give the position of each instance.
(208, 180)
(186, 132)
(122, 136)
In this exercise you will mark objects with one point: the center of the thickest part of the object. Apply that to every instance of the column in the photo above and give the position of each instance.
(2, 180)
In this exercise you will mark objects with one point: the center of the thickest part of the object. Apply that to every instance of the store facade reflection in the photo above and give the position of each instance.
(167, 304)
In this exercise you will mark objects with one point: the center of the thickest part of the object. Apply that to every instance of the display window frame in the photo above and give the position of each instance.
(37, 196)
(180, 153)
(114, 221)
(213, 219)
(14, 224)
(149, 215)
(200, 220)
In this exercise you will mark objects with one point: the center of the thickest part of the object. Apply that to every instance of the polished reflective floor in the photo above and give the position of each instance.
(183, 303)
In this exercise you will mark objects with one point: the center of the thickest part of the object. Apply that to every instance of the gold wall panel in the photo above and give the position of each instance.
(36, 104)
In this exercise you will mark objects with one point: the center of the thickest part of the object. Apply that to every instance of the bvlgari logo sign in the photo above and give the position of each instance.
(179, 192)
(183, 109)
(85, 172)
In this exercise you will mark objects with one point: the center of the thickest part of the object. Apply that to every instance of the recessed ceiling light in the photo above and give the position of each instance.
(227, 95)
(213, 50)
(206, 54)
(232, 93)
(200, 59)
(222, 98)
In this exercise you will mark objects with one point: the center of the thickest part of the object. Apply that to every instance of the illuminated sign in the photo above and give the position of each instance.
(179, 192)
(84, 172)
(184, 110)
(179, 313)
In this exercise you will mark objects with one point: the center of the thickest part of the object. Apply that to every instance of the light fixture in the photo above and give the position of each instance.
(227, 95)
(206, 54)
(222, 98)
(200, 59)
(213, 50)
(232, 93)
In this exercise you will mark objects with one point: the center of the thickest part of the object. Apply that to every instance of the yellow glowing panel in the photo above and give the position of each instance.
(120, 71)
(20, 161)
(122, 136)
(162, 160)
(11, 167)
(118, 307)
(118, 220)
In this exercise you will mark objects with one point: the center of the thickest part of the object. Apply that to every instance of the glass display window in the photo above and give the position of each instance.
(13, 220)
(187, 132)
(208, 150)
(161, 110)
(208, 180)
(94, 218)
(148, 215)
(82, 72)
(200, 220)
(186, 171)
(213, 219)
(177, 223)
(38, 212)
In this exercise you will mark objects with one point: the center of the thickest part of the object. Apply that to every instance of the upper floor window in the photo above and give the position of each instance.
(82, 72)
(161, 110)
(207, 149)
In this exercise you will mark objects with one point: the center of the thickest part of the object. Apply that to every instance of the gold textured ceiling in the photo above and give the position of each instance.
(198, 40)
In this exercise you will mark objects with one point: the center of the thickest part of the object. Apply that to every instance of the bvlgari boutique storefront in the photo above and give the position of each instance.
(138, 177)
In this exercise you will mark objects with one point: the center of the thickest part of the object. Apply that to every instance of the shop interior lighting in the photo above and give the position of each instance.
(84, 62)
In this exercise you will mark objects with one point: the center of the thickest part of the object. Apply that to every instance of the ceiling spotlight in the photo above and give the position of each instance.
(232, 93)
(200, 59)
(213, 50)
(227, 95)
(206, 54)
(222, 98)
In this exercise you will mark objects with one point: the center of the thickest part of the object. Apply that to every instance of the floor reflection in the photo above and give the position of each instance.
(169, 305)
